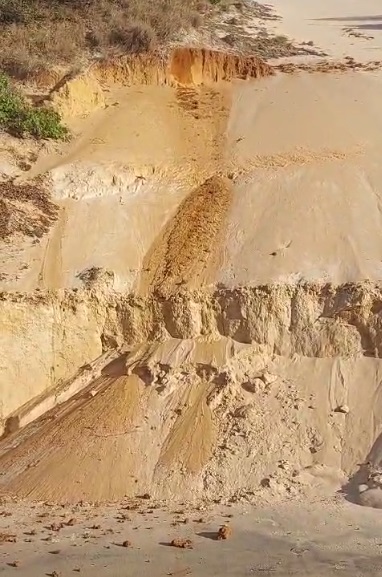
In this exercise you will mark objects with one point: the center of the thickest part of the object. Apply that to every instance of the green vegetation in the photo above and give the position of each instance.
(21, 119)
(38, 34)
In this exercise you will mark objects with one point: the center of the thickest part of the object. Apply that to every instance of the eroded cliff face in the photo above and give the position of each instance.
(160, 292)
(46, 336)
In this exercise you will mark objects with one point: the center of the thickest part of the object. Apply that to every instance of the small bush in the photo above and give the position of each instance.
(134, 39)
(21, 119)
(38, 34)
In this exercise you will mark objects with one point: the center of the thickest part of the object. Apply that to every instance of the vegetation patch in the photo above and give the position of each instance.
(22, 119)
(25, 209)
(37, 34)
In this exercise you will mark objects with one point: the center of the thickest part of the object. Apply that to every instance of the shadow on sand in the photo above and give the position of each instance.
(361, 477)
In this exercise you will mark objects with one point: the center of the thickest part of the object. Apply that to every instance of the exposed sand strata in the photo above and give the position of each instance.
(55, 333)
(194, 409)
(78, 95)
(185, 66)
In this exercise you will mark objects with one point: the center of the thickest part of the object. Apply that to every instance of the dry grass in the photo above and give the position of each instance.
(25, 209)
(37, 34)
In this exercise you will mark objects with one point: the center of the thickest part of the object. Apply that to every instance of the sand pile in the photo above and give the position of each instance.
(196, 420)
(186, 246)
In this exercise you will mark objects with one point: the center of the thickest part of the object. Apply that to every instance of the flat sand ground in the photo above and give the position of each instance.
(318, 540)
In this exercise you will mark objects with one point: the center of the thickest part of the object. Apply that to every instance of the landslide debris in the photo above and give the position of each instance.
(194, 408)
(186, 245)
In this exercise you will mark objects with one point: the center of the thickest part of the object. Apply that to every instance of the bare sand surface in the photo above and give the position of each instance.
(304, 154)
(301, 150)
(318, 540)
(341, 28)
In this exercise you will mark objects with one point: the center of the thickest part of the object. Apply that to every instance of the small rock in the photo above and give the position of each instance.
(182, 543)
(268, 378)
(126, 544)
(55, 527)
(145, 496)
(7, 538)
(342, 409)
(71, 522)
(362, 488)
(14, 564)
(254, 386)
(224, 532)
(266, 483)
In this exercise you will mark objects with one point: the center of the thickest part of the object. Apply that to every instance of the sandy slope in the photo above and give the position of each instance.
(303, 151)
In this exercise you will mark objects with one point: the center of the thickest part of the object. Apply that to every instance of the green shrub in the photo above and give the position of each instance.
(21, 119)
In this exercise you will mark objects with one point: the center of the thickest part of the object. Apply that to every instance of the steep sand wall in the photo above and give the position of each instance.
(43, 341)
(82, 93)
(47, 336)
(185, 66)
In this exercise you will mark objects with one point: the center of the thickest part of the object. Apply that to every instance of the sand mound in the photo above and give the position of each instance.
(190, 420)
